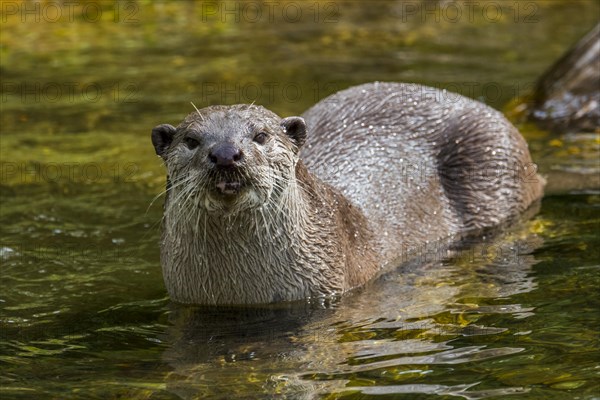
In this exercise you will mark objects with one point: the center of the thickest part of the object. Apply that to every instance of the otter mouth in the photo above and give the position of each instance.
(229, 188)
(230, 194)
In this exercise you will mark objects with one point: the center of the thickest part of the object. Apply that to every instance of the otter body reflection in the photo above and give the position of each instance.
(262, 209)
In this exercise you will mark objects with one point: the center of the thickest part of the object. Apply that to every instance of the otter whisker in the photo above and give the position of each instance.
(198, 111)
(177, 204)
(177, 195)
(160, 194)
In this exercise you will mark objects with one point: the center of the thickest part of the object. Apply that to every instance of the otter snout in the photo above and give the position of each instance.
(225, 155)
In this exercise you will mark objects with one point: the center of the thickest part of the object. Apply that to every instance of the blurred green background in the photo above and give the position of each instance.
(83, 310)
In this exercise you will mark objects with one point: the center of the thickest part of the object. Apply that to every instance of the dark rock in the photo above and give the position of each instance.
(567, 96)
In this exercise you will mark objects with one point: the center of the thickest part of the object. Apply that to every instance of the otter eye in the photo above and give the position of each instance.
(260, 138)
(191, 143)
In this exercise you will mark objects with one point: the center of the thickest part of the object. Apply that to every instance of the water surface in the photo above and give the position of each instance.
(84, 313)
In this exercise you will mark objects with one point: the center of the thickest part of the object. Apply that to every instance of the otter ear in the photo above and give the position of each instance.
(162, 136)
(295, 128)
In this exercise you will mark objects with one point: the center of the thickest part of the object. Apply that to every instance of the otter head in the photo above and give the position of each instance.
(226, 159)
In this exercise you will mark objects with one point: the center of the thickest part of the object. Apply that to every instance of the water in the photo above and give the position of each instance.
(84, 311)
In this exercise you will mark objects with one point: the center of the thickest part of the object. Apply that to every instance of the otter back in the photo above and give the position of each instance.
(421, 163)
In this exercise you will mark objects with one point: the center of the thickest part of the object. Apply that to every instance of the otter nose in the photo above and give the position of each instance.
(225, 155)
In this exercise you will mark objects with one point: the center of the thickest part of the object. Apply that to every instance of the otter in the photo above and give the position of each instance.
(263, 209)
